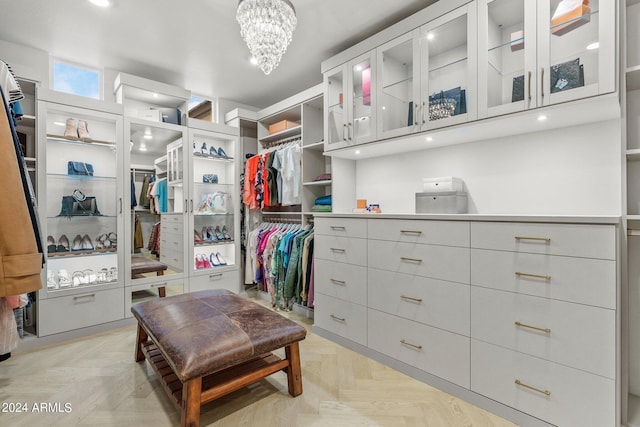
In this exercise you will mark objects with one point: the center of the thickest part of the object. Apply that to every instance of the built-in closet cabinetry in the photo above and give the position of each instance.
(80, 193)
(494, 309)
(456, 63)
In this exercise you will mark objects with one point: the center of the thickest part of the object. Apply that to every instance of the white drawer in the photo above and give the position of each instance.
(79, 311)
(345, 281)
(438, 303)
(172, 258)
(432, 350)
(582, 280)
(449, 233)
(438, 262)
(341, 227)
(578, 335)
(173, 229)
(341, 249)
(576, 398)
(169, 244)
(171, 218)
(580, 240)
(229, 279)
(340, 317)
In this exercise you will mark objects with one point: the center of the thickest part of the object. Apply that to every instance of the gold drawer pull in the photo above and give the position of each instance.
(520, 383)
(338, 250)
(523, 325)
(338, 228)
(405, 259)
(84, 298)
(338, 282)
(410, 298)
(417, 233)
(416, 346)
(540, 239)
(339, 319)
(537, 276)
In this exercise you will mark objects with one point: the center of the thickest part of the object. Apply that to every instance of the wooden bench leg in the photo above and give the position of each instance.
(294, 373)
(190, 412)
(162, 291)
(141, 338)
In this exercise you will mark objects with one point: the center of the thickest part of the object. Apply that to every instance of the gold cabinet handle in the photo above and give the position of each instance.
(338, 282)
(537, 276)
(416, 346)
(338, 250)
(539, 239)
(405, 259)
(524, 325)
(521, 384)
(338, 228)
(404, 297)
(412, 232)
(339, 319)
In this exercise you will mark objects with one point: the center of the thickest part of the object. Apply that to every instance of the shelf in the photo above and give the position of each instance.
(211, 184)
(448, 65)
(633, 78)
(30, 159)
(282, 134)
(61, 138)
(213, 243)
(27, 121)
(212, 214)
(211, 158)
(68, 218)
(281, 213)
(73, 254)
(82, 177)
(633, 155)
(633, 217)
(316, 146)
(507, 44)
(408, 80)
(579, 18)
(317, 183)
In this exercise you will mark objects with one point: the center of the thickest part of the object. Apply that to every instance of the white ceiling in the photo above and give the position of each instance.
(196, 44)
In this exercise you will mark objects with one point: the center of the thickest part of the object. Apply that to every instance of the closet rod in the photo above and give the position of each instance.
(633, 232)
(281, 141)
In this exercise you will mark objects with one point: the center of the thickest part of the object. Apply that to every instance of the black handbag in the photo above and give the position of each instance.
(567, 75)
(79, 168)
(79, 205)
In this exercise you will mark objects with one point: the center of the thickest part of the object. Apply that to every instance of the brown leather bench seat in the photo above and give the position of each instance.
(206, 344)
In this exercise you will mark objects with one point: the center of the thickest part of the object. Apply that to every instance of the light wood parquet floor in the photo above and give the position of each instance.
(98, 378)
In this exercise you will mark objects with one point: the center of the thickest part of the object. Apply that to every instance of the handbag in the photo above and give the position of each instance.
(517, 89)
(210, 178)
(567, 75)
(79, 168)
(447, 103)
(78, 204)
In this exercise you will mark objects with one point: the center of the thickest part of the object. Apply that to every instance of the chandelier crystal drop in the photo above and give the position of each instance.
(267, 27)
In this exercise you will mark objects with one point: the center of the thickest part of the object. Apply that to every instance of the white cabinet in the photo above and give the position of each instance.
(528, 59)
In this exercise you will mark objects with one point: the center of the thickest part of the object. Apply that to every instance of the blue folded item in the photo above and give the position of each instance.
(324, 200)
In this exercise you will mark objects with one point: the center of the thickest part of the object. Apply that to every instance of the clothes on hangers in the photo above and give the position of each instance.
(138, 241)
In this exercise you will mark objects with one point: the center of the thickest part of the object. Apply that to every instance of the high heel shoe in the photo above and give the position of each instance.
(221, 259)
(196, 237)
(214, 260)
(51, 280)
(64, 279)
(113, 239)
(63, 244)
(221, 153)
(71, 131)
(51, 244)
(214, 234)
(213, 151)
(77, 243)
(218, 233)
(86, 243)
(83, 131)
(203, 149)
(225, 233)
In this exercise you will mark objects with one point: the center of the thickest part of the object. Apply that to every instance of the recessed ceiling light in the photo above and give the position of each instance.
(148, 137)
(155, 95)
(431, 36)
(143, 148)
(101, 3)
(357, 151)
(59, 124)
(253, 60)
(358, 67)
(542, 118)
(429, 139)
(593, 46)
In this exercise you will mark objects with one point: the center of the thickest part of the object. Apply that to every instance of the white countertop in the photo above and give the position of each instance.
(578, 219)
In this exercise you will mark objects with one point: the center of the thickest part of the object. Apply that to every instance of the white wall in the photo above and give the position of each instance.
(570, 171)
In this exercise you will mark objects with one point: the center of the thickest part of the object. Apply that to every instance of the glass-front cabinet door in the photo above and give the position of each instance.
(399, 86)
(507, 56)
(449, 62)
(81, 186)
(213, 223)
(576, 53)
(361, 127)
(336, 115)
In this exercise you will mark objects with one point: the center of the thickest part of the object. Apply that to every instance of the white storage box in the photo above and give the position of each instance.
(442, 202)
(443, 183)
(150, 114)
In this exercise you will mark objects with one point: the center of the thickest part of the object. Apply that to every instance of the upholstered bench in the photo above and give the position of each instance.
(204, 345)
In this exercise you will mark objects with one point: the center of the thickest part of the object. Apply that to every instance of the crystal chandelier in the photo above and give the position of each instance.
(266, 26)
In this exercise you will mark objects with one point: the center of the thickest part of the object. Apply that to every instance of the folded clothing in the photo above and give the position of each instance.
(323, 200)
(321, 208)
(323, 177)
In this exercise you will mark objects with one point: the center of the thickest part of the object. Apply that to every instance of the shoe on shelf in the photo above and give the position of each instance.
(214, 260)
(71, 131)
(64, 280)
(77, 243)
(204, 149)
(225, 233)
(83, 131)
(51, 244)
(198, 261)
(213, 151)
(63, 244)
(113, 239)
(196, 237)
(100, 242)
(221, 259)
(90, 277)
(221, 153)
(218, 233)
(51, 280)
(86, 243)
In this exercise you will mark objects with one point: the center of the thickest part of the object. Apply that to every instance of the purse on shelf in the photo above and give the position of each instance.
(567, 75)
(79, 168)
(210, 178)
(447, 103)
(78, 204)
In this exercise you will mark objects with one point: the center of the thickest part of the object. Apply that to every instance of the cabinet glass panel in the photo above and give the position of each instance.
(337, 116)
(448, 69)
(573, 46)
(82, 200)
(397, 108)
(362, 125)
(213, 194)
(506, 80)
(157, 200)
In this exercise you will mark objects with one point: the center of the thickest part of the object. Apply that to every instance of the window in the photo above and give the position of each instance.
(202, 109)
(76, 79)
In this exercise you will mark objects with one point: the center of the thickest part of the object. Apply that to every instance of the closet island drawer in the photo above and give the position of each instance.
(341, 249)
(79, 311)
(555, 393)
(432, 350)
(558, 331)
(341, 227)
(449, 233)
(582, 280)
(580, 240)
(438, 262)
(340, 317)
(432, 302)
(216, 280)
(345, 281)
